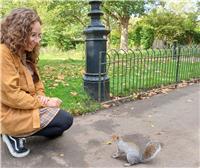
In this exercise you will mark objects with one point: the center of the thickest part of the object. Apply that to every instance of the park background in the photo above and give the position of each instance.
(134, 24)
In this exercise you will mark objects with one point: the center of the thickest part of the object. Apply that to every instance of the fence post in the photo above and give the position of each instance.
(96, 81)
(174, 52)
(178, 64)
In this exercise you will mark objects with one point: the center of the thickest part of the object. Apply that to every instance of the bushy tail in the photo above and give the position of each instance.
(151, 150)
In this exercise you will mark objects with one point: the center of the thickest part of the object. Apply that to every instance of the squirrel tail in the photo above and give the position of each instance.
(151, 150)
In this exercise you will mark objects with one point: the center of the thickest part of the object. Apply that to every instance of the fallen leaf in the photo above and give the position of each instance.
(55, 84)
(74, 93)
(164, 91)
(108, 142)
(82, 71)
(106, 105)
(57, 80)
(61, 77)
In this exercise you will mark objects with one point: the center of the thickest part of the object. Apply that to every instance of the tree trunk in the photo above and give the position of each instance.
(124, 33)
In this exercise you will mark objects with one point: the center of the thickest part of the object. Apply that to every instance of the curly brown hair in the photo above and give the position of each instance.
(16, 29)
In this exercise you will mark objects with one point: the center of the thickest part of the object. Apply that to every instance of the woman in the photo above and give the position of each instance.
(25, 110)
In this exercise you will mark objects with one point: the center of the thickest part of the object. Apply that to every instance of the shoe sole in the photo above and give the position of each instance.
(10, 148)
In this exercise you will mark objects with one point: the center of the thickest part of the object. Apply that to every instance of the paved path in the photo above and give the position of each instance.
(173, 119)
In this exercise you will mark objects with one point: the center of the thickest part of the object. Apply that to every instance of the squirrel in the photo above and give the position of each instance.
(133, 153)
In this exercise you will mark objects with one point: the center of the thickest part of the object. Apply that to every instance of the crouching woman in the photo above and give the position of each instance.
(25, 110)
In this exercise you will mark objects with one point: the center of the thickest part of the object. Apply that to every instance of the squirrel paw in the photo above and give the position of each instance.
(127, 164)
(115, 155)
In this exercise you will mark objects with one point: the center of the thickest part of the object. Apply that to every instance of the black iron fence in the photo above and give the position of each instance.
(139, 70)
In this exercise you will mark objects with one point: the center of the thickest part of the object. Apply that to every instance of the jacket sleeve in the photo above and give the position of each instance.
(11, 93)
(39, 87)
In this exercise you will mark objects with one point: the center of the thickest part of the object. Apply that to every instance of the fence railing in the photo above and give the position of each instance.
(138, 70)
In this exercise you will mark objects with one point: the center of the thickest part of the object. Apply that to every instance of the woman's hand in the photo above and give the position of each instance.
(54, 102)
(50, 102)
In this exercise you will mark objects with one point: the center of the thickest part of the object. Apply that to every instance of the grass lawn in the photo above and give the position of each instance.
(146, 75)
(62, 74)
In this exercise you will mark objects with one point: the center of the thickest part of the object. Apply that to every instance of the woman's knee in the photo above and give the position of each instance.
(67, 119)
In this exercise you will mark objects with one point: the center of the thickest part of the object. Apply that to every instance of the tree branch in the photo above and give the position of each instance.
(111, 14)
(78, 19)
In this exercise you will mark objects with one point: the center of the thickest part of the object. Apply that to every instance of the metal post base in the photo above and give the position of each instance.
(98, 90)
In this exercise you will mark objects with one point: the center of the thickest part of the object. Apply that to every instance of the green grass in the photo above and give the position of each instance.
(62, 77)
(140, 74)
(53, 53)
(62, 74)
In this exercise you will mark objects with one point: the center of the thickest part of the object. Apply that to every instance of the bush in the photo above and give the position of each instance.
(135, 36)
(142, 36)
(57, 36)
(115, 38)
(147, 36)
(197, 37)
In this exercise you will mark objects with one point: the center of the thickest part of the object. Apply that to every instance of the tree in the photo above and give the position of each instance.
(122, 11)
(171, 27)
(63, 21)
(68, 20)
(189, 26)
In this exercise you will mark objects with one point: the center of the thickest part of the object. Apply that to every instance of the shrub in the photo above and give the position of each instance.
(147, 36)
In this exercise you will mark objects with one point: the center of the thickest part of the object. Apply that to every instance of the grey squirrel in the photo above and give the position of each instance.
(133, 153)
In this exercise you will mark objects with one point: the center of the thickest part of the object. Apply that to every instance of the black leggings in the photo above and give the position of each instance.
(61, 122)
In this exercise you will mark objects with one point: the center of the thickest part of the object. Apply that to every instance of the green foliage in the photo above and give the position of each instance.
(142, 36)
(65, 21)
(196, 37)
(62, 24)
(166, 25)
(57, 36)
(169, 32)
(170, 27)
(147, 36)
(124, 8)
(115, 35)
(190, 28)
(135, 35)
(67, 24)
(122, 11)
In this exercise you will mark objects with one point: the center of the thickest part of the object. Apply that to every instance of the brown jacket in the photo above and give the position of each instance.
(19, 102)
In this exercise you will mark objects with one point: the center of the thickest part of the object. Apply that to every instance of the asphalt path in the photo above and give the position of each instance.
(172, 119)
